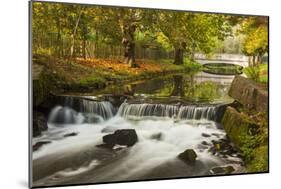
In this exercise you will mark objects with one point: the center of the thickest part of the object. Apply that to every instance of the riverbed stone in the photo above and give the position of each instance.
(38, 145)
(126, 137)
(249, 94)
(222, 170)
(188, 156)
(70, 134)
(205, 135)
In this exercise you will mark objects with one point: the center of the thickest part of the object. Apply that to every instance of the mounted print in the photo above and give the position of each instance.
(121, 94)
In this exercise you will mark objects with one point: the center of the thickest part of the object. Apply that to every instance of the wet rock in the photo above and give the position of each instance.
(188, 156)
(222, 148)
(126, 137)
(205, 143)
(222, 170)
(205, 135)
(38, 145)
(216, 135)
(156, 136)
(70, 134)
(108, 146)
(39, 123)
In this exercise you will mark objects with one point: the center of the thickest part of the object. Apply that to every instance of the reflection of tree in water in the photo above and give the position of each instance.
(187, 87)
(178, 89)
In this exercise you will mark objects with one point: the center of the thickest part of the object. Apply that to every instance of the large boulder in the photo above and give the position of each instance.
(188, 156)
(249, 94)
(126, 137)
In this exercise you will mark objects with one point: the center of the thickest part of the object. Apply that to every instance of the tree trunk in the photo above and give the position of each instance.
(84, 49)
(129, 44)
(130, 55)
(254, 60)
(178, 89)
(179, 50)
(74, 34)
(178, 56)
(96, 45)
(259, 59)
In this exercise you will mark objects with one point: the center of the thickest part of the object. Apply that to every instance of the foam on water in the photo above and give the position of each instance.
(149, 153)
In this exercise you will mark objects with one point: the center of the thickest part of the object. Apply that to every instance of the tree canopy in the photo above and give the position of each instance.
(71, 30)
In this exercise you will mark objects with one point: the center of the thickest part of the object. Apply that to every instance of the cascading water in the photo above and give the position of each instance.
(176, 111)
(103, 108)
(72, 155)
(79, 110)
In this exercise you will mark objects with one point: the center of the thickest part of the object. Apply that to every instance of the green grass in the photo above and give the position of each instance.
(92, 80)
(258, 73)
(192, 66)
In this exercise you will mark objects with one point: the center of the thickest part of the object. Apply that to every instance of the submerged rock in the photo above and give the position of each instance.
(205, 135)
(204, 143)
(222, 170)
(156, 136)
(126, 137)
(38, 145)
(188, 156)
(70, 134)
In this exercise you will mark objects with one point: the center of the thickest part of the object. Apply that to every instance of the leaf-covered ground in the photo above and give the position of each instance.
(81, 73)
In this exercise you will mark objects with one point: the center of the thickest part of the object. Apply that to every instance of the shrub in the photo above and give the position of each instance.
(253, 73)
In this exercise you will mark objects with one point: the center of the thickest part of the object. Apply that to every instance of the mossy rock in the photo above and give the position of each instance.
(244, 134)
(188, 156)
(236, 124)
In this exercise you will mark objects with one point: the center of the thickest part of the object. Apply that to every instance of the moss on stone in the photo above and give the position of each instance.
(249, 137)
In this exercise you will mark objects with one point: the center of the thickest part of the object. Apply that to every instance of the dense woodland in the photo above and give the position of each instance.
(69, 30)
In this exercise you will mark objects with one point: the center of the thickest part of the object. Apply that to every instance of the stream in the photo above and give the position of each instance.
(169, 115)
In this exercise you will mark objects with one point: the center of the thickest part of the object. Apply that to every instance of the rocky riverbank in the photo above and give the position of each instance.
(246, 122)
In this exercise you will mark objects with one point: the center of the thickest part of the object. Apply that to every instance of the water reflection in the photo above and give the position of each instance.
(189, 87)
(200, 87)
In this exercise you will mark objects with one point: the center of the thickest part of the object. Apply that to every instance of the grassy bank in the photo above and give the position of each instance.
(81, 75)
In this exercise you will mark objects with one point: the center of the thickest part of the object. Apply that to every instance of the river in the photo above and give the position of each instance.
(169, 114)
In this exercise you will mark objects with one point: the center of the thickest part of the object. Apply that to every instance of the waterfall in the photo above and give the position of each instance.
(173, 111)
(102, 108)
(76, 110)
